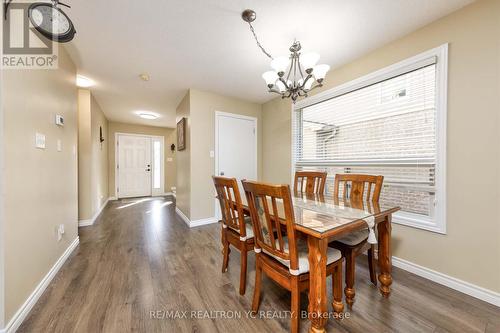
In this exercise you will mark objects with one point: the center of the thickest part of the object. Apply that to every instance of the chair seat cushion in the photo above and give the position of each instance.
(355, 238)
(248, 228)
(332, 254)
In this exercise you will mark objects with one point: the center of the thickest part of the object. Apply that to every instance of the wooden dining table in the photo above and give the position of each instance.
(321, 220)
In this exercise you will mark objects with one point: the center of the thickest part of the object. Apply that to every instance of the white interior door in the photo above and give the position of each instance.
(236, 148)
(134, 166)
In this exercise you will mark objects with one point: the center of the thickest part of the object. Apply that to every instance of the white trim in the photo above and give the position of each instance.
(196, 223)
(440, 56)
(24, 310)
(216, 149)
(182, 216)
(448, 281)
(112, 199)
(152, 137)
(91, 221)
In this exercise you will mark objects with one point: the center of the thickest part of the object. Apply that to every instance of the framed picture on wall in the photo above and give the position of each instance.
(181, 134)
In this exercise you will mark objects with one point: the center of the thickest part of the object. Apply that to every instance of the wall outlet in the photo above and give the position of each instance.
(60, 232)
(40, 141)
(212, 154)
(169, 159)
(59, 145)
(59, 120)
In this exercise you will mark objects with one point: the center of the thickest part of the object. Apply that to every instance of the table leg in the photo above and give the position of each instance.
(318, 314)
(385, 256)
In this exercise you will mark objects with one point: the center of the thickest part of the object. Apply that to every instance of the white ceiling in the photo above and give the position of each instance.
(205, 45)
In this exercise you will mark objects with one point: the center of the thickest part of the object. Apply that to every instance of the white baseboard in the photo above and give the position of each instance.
(91, 221)
(448, 281)
(24, 310)
(201, 222)
(195, 223)
(112, 199)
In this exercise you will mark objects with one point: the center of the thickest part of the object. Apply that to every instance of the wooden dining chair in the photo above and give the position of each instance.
(357, 190)
(236, 227)
(279, 253)
(310, 182)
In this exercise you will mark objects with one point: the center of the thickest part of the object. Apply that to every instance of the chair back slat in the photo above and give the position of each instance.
(310, 182)
(267, 223)
(353, 187)
(230, 204)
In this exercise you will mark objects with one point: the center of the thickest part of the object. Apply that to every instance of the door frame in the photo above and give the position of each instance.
(216, 146)
(161, 191)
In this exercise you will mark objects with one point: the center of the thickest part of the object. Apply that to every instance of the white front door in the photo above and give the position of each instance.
(134, 166)
(236, 147)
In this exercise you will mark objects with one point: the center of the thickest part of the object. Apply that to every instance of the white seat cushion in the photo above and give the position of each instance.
(355, 238)
(248, 227)
(332, 254)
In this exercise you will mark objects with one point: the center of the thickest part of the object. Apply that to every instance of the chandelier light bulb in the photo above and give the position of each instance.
(270, 77)
(320, 71)
(309, 60)
(280, 64)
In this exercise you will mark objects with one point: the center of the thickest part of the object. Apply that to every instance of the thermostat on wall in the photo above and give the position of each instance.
(59, 120)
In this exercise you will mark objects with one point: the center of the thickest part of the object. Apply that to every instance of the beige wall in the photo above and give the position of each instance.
(201, 123)
(183, 198)
(99, 167)
(84, 155)
(471, 249)
(203, 107)
(168, 133)
(42, 184)
(92, 156)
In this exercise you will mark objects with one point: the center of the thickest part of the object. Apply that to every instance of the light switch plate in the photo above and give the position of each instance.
(59, 145)
(39, 141)
(212, 154)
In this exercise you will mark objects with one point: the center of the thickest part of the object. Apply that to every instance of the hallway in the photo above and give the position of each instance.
(140, 257)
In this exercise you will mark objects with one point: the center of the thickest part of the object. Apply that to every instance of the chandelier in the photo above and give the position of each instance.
(293, 76)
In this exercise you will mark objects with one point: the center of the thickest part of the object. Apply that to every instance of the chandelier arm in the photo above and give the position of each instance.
(290, 69)
(309, 76)
(284, 82)
(300, 70)
(258, 43)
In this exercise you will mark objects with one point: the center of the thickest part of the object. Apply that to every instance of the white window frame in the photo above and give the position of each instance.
(438, 224)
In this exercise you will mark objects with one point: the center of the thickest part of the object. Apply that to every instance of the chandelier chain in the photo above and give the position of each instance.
(258, 43)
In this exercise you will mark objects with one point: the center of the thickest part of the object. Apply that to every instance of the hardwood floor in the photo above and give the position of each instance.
(140, 257)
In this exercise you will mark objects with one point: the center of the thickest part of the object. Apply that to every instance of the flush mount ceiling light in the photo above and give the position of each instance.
(84, 82)
(293, 76)
(147, 115)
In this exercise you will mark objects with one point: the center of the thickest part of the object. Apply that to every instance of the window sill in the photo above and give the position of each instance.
(415, 221)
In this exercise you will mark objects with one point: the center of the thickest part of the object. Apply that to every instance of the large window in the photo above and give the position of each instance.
(390, 123)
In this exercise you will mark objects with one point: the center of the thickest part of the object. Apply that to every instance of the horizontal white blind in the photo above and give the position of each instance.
(386, 128)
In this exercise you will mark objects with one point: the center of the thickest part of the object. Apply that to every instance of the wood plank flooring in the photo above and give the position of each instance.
(141, 258)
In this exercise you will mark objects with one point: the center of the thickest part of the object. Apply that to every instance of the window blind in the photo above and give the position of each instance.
(386, 127)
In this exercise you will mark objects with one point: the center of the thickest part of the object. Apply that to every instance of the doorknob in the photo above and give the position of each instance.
(222, 173)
